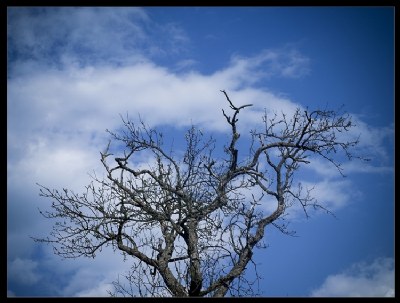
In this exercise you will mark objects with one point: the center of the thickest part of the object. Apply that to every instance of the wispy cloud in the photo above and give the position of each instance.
(374, 279)
(269, 63)
(333, 194)
(284, 62)
(328, 170)
(185, 64)
(88, 35)
(374, 141)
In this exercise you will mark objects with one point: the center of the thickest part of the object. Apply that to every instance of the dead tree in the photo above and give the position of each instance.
(190, 224)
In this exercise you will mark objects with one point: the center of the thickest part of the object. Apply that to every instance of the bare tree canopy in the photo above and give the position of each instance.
(191, 223)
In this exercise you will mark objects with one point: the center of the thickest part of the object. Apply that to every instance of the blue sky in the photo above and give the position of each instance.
(72, 71)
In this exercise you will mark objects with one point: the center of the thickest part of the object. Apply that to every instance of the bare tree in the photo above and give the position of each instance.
(191, 223)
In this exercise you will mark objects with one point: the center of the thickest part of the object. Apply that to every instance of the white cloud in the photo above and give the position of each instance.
(360, 280)
(47, 165)
(24, 271)
(76, 101)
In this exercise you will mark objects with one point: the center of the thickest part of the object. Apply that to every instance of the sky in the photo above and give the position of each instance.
(71, 73)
